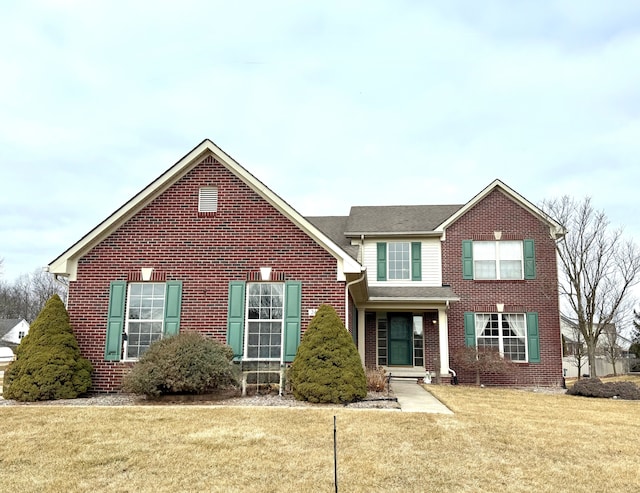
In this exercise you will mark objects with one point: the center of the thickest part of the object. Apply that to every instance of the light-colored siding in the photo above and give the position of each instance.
(431, 263)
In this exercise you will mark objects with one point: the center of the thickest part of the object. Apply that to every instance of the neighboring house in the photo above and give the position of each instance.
(575, 349)
(208, 247)
(12, 331)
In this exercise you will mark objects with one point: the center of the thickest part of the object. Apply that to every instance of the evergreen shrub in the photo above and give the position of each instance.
(327, 366)
(48, 364)
(187, 363)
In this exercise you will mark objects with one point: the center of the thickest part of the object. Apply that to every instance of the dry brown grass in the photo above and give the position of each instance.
(498, 440)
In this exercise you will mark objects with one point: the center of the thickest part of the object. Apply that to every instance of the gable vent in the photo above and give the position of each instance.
(208, 200)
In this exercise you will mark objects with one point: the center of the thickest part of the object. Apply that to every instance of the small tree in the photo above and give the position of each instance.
(327, 367)
(48, 364)
(481, 361)
(187, 363)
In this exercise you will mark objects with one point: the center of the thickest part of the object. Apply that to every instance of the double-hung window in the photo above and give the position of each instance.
(399, 261)
(504, 332)
(140, 313)
(399, 265)
(498, 260)
(264, 321)
(145, 317)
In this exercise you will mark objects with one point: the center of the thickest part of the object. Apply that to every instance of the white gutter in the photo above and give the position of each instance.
(346, 297)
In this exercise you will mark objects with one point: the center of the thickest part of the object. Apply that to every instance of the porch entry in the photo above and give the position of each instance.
(400, 339)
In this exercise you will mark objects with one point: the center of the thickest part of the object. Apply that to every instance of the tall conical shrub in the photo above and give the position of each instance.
(48, 364)
(327, 366)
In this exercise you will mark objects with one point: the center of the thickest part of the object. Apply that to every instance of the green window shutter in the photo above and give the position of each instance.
(469, 329)
(292, 318)
(235, 318)
(529, 259)
(382, 261)
(115, 320)
(533, 337)
(416, 261)
(172, 305)
(467, 259)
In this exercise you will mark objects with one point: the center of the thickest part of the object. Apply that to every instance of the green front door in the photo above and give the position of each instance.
(400, 339)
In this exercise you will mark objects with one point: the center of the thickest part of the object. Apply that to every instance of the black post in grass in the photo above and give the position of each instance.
(335, 455)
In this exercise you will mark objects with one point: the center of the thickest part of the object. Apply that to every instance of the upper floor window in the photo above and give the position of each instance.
(399, 261)
(500, 260)
(497, 259)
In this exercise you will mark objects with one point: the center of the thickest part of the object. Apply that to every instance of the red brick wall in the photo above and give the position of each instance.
(497, 212)
(205, 253)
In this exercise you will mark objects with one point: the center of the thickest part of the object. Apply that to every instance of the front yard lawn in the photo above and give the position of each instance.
(497, 440)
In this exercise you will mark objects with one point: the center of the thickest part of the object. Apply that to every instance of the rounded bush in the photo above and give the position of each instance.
(327, 366)
(594, 387)
(187, 363)
(48, 364)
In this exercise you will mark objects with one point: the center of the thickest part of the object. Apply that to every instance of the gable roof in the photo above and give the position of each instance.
(556, 229)
(6, 324)
(66, 264)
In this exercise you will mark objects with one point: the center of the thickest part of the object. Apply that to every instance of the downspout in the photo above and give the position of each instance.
(346, 297)
(65, 285)
(351, 283)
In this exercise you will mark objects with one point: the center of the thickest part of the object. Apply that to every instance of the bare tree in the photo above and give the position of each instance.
(482, 360)
(598, 268)
(27, 295)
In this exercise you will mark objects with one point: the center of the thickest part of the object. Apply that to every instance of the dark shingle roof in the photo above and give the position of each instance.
(6, 324)
(397, 218)
(334, 228)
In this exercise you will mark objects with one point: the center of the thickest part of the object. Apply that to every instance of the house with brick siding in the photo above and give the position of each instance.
(208, 247)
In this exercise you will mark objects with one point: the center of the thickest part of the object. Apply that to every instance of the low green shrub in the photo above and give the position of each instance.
(48, 364)
(187, 363)
(327, 366)
(594, 387)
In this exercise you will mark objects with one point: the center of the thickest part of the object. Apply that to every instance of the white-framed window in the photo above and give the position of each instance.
(144, 321)
(21, 334)
(399, 263)
(505, 332)
(265, 308)
(498, 260)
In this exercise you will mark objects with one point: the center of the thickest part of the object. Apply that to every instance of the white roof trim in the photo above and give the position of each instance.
(66, 264)
(556, 229)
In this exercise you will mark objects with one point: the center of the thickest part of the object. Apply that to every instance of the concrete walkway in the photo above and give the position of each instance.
(413, 398)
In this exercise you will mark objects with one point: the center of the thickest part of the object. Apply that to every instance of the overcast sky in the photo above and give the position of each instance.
(337, 104)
